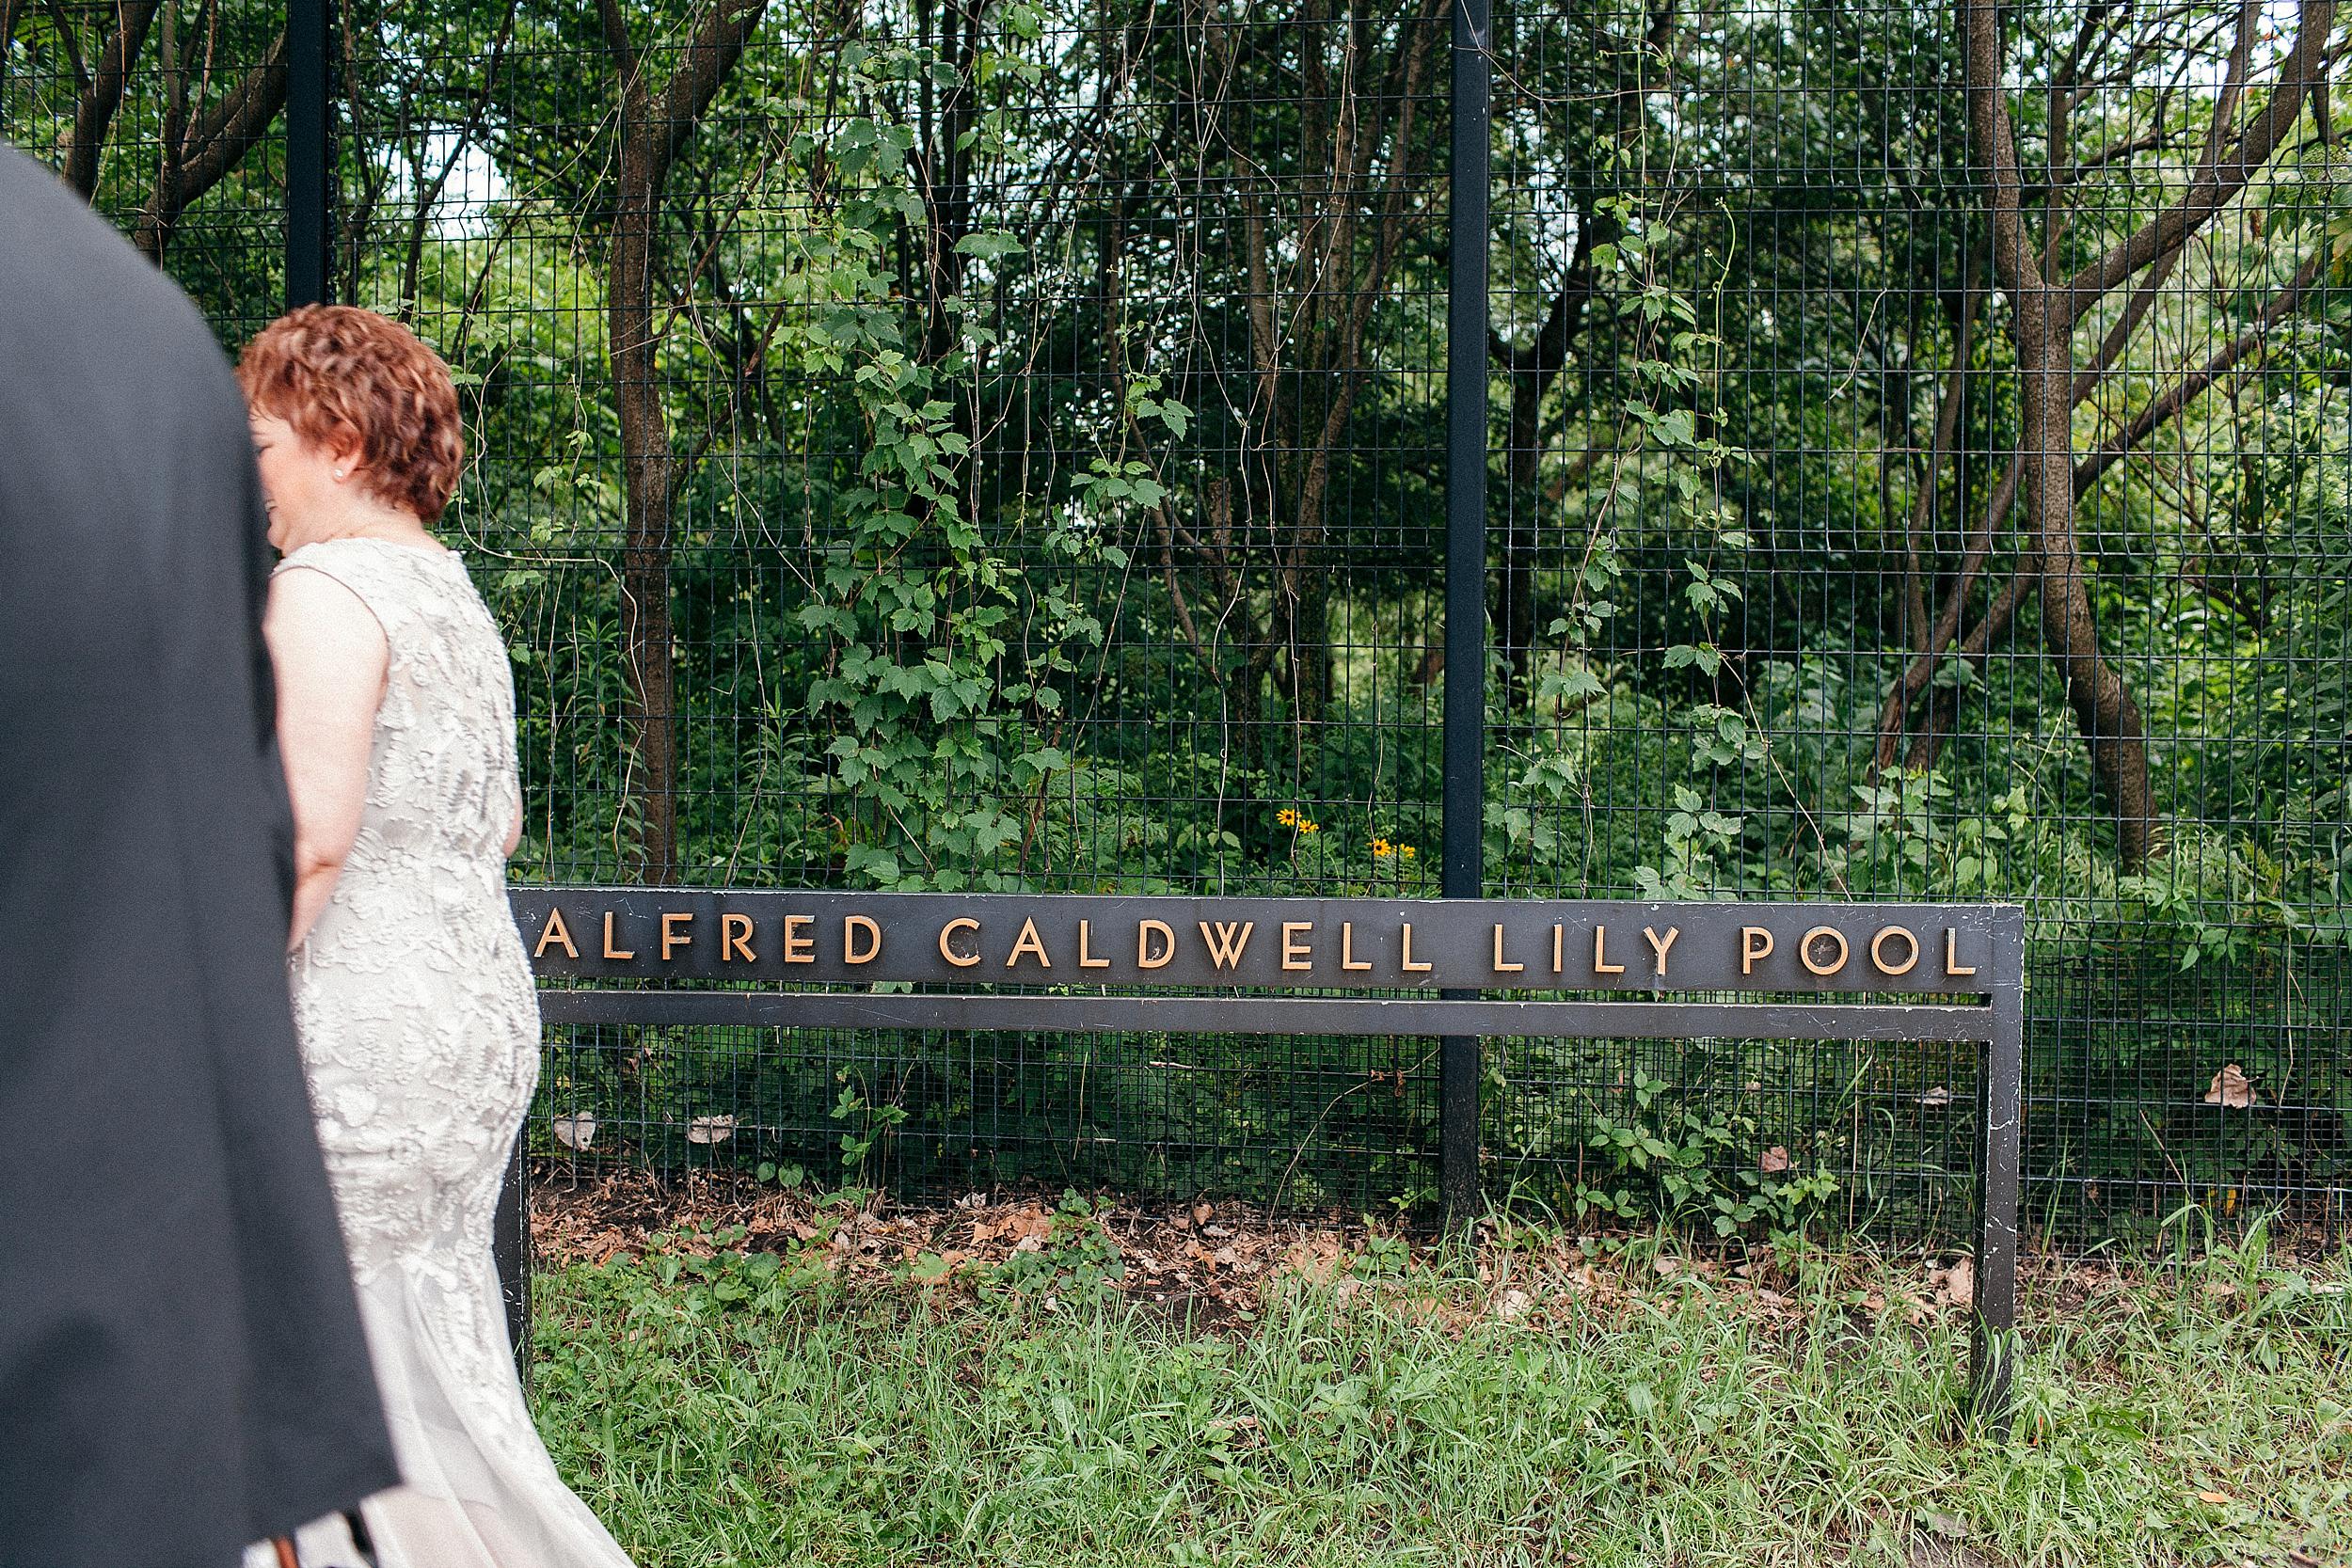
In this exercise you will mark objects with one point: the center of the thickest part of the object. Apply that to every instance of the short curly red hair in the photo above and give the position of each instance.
(329, 370)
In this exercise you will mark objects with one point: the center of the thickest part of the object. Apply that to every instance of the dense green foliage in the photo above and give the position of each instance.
(1019, 464)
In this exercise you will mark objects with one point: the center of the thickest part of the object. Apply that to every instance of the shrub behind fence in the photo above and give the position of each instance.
(1003, 446)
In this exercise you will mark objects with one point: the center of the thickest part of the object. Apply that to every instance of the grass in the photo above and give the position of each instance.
(1540, 1401)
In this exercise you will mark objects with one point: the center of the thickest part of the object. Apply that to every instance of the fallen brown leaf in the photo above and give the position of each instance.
(1960, 1282)
(2230, 1087)
(1315, 1260)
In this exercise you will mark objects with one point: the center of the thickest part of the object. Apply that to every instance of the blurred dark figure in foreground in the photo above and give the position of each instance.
(182, 1366)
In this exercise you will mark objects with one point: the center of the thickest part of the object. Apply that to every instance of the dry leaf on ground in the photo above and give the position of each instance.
(1315, 1260)
(1955, 1286)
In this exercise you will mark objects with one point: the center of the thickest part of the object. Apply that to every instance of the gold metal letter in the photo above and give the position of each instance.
(1559, 938)
(611, 951)
(735, 936)
(1501, 968)
(1295, 955)
(962, 923)
(1659, 947)
(1144, 930)
(1029, 942)
(851, 925)
(799, 949)
(1406, 958)
(1225, 950)
(1086, 959)
(1347, 947)
(673, 937)
(1751, 950)
(555, 930)
(1952, 965)
(1600, 953)
(1804, 950)
(1879, 958)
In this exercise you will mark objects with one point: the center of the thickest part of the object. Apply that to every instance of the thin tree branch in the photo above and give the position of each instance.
(2169, 403)
(216, 144)
(2221, 176)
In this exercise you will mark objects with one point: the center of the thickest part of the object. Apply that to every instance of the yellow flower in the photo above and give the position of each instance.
(1287, 817)
(1382, 846)
(1407, 850)
(1307, 826)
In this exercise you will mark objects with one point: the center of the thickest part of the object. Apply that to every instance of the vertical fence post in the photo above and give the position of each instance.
(1465, 565)
(307, 162)
(2000, 1116)
(510, 1246)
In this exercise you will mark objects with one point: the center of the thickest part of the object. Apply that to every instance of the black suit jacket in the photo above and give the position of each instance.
(181, 1369)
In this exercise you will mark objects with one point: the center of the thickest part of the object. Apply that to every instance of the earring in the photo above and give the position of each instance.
(339, 473)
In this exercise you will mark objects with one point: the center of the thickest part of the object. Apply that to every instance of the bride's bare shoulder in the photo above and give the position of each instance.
(317, 620)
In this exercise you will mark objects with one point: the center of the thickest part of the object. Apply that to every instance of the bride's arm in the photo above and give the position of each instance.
(330, 657)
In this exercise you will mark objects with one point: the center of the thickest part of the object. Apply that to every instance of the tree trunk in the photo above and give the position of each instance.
(94, 110)
(653, 126)
(1309, 625)
(2102, 705)
(1515, 590)
(646, 470)
(212, 150)
(2045, 321)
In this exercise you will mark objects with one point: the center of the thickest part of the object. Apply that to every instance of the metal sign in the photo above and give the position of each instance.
(1454, 968)
(1268, 943)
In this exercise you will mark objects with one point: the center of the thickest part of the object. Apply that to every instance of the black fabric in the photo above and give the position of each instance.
(182, 1367)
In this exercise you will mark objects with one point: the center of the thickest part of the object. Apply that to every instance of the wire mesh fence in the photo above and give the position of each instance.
(1003, 446)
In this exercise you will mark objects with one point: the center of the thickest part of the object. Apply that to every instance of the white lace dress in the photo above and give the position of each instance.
(420, 1035)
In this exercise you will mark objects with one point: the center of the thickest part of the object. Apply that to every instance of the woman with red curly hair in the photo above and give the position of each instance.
(412, 998)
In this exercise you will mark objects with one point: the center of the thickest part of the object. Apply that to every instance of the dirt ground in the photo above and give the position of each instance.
(1219, 1262)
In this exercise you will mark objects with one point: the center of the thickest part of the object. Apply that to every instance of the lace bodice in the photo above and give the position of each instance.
(442, 777)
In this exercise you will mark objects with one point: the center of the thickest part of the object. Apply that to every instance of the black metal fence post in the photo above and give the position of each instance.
(308, 166)
(511, 1245)
(2000, 1115)
(1465, 565)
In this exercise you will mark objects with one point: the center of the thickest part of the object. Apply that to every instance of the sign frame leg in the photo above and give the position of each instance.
(2001, 1108)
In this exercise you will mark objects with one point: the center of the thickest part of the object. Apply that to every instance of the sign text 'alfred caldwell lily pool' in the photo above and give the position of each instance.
(1014, 940)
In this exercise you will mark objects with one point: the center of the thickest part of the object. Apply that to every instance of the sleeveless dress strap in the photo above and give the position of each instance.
(372, 571)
